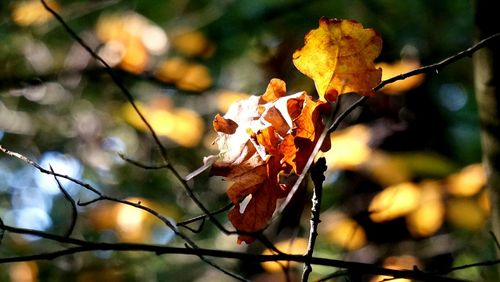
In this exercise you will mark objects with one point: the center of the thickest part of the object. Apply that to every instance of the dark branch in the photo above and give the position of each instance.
(317, 176)
(87, 246)
(46, 171)
(74, 211)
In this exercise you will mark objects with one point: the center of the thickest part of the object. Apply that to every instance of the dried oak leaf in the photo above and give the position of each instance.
(261, 140)
(339, 56)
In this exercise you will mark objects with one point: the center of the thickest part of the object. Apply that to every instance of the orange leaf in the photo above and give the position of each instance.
(223, 125)
(264, 141)
(339, 56)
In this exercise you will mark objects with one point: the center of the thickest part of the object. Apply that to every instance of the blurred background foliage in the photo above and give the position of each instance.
(404, 185)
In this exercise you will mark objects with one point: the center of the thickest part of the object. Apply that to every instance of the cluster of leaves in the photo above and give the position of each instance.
(265, 142)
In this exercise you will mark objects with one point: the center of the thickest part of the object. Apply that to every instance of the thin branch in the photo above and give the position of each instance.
(141, 165)
(317, 175)
(495, 239)
(74, 211)
(102, 197)
(116, 79)
(46, 171)
(202, 218)
(436, 67)
(87, 246)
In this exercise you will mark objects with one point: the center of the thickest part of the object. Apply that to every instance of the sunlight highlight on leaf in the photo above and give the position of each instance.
(193, 43)
(467, 182)
(343, 231)
(394, 201)
(397, 68)
(349, 148)
(185, 75)
(465, 213)
(398, 262)
(261, 139)
(32, 12)
(297, 246)
(132, 38)
(339, 56)
(181, 125)
(26, 271)
(428, 217)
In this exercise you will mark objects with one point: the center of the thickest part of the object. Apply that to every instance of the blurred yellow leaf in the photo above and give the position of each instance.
(185, 75)
(394, 201)
(133, 36)
(343, 231)
(428, 217)
(196, 78)
(193, 43)
(399, 263)
(467, 182)
(424, 163)
(130, 223)
(397, 68)
(26, 271)
(226, 98)
(386, 169)
(339, 56)
(349, 148)
(135, 58)
(485, 202)
(465, 213)
(297, 246)
(32, 12)
(183, 126)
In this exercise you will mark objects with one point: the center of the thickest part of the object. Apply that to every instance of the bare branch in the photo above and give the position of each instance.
(46, 171)
(74, 211)
(87, 246)
(317, 175)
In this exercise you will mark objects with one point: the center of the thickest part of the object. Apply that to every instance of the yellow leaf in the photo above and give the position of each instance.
(467, 182)
(297, 246)
(339, 56)
(343, 230)
(32, 12)
(394, 201)
(397, 68)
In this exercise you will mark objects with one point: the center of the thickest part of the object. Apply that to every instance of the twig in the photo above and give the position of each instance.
(46, 171)
(495, 239)
(102, 197)
(141, 165)
(434, 68)
(317, 175)
(202, 218)
(87, 246)
(117, 81)
(74, 211)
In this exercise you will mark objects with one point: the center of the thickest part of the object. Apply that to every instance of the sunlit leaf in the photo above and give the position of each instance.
(394, 201)
(132, 38)
(185, 75)
(261, 139)
(465, 213)
(398, 262)
(467, 182)
(193, 43)
(428, 217)
(25, 271)
(181, 125)
(297, 246)
(339, 56)
(349, 148)
(32, 12)
(386, 169)
(397, 68)
(343, 231)
(226, 98)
